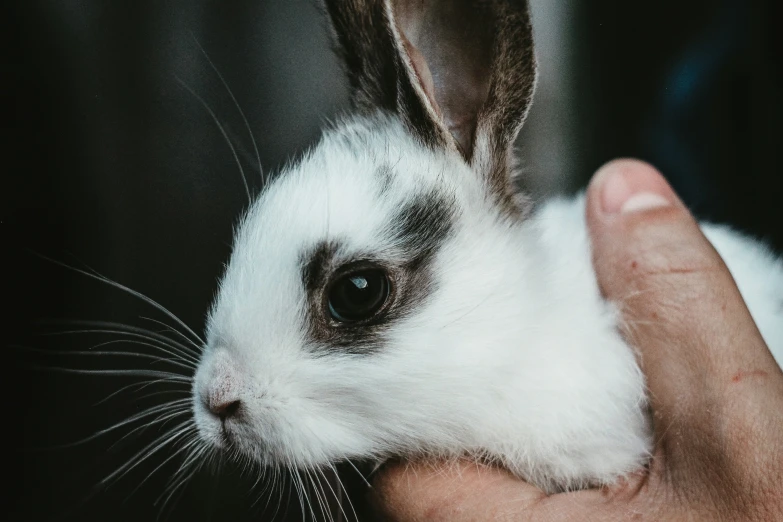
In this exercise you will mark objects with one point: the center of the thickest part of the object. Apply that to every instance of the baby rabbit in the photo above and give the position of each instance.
(391, 294)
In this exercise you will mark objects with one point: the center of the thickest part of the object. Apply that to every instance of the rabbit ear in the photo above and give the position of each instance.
(460, 73)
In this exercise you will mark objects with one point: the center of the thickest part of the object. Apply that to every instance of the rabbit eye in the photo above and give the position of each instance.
(358, 295)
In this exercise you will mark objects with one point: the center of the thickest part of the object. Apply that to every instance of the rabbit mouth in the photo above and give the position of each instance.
(226, 439)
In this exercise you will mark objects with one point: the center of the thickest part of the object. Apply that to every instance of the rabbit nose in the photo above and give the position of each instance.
(224, 408)
(222, 387)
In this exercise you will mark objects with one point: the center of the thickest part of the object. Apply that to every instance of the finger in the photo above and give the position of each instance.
(681, 308)
(455, 492)
(466, 491)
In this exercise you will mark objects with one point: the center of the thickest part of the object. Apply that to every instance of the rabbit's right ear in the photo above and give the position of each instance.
(459, 73)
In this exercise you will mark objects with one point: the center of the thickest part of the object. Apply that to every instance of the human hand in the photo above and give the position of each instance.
(715, 389)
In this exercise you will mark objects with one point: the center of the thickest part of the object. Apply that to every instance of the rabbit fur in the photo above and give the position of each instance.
(495, 341)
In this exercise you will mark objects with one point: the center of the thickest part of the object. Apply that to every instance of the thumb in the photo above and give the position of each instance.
(680, 306)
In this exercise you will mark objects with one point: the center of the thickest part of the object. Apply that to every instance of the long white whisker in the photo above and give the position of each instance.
(320, 494)
(100, 277)
(236, 104)
(173, 493)
(133, 418)
(277, 482)
(344, 495)
(312, 490)
(140, 386)
(296, 481)
(171, 490)
(192, 459)
(191, 464)
(119, 373)
(269, 490)
(186, 446)
(259, 476)
(222, 131)
(161, 341)
(185, 474)
(158, 422)
(303, 487)
(339, 495)
(103, 353)
(167, 392)
(146, 453)
(193, 349)
(187, 364)
(359, 473)
(283, 482)
(268, 475)
(179, 334)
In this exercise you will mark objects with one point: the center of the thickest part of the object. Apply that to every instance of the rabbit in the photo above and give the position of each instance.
(392, 294)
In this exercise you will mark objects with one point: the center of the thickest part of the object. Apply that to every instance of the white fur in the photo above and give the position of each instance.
(513, 355)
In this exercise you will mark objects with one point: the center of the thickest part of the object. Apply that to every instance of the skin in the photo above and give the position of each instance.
(716, 391)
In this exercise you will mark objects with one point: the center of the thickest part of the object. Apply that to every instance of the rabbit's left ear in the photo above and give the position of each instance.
(459, 73)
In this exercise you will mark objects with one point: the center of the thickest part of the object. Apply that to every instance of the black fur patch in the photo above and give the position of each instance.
(480, 56)
(376, 72)
(317, 267)
(386, 177)
(422, 225)
(414, 236)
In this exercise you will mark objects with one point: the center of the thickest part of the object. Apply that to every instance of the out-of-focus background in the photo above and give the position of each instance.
(111, 162)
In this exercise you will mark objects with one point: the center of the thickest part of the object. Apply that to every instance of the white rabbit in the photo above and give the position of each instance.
(392, 295)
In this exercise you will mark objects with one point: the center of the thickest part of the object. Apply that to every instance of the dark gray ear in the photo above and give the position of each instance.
(460, 73)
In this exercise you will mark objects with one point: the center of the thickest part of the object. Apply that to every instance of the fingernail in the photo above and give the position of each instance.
(632, 186)
(643, 201)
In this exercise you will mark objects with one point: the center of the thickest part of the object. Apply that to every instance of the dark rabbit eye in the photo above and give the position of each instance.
(358, 295)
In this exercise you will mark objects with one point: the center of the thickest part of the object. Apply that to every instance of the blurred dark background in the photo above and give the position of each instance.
(111, 163)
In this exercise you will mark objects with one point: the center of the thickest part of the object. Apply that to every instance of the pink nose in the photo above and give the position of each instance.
(223, 407)
(222, 388)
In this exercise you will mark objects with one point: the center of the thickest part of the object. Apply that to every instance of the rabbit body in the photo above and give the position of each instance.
(511, 353)
(491, 338)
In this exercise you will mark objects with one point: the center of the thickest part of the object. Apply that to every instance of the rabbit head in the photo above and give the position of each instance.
(368, 282)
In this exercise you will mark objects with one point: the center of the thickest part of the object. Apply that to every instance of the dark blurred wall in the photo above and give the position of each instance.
(111, 162)
(114, 164)
(695, 88)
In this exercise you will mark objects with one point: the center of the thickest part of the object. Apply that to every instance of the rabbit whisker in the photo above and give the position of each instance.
(103, 279)
(193, 440)
(223, 132)
(236, 104)
(140, 386)
(174, 377)
(103, 327)
(161, 442)
(179, 334)
(138, 355)
(158, 422)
